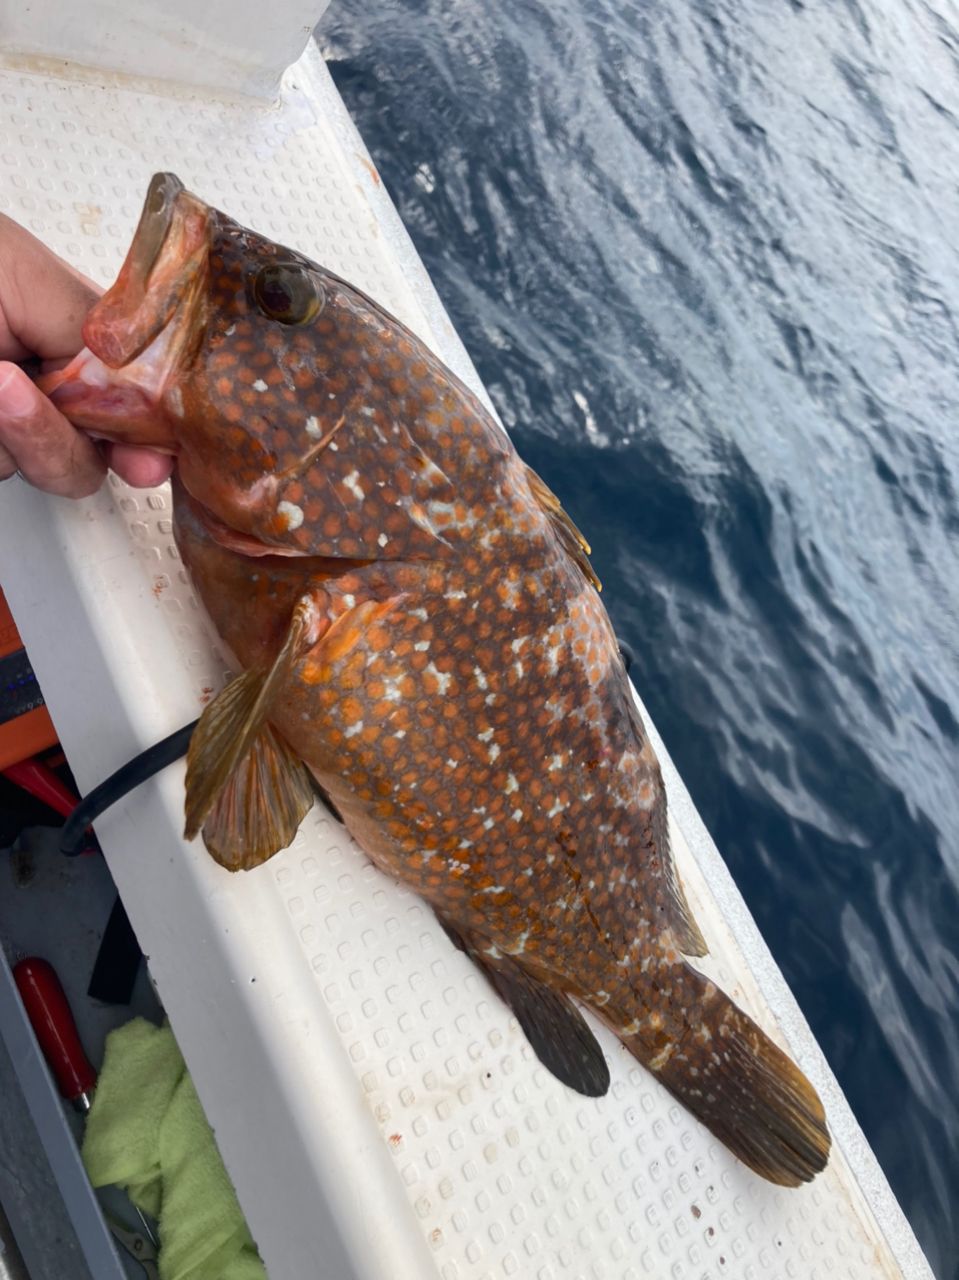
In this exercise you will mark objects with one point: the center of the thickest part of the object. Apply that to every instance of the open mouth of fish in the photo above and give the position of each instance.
(136, 334)
(121, 386)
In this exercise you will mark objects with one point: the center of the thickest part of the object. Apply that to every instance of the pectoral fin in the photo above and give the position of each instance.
(257, 813)
(556, 1030)
(244, 786)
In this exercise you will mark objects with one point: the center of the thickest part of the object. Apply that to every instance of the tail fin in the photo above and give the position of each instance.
(745, 1090)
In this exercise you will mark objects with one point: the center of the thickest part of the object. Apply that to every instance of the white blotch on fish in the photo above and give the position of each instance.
(443, 678)
(352, 482)
(291, 513)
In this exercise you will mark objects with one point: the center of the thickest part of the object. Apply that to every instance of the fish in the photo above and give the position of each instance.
(421, 640)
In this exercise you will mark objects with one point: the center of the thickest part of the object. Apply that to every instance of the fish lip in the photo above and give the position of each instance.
(168, 249)
(139, 333)
(156, 219)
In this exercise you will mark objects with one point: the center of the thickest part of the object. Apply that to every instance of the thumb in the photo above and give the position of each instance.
(38, 441)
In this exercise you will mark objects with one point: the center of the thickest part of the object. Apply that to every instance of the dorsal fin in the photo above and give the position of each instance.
(569, 535)
(686, 934)
(689, 940)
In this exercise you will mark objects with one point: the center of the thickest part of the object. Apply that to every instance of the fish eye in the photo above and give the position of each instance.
(287, 292)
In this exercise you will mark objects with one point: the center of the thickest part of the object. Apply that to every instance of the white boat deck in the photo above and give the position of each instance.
(376, 1105)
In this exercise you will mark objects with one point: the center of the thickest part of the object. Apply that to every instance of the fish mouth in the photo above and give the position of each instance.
(123, 323)
(137, 333)
(155, 221)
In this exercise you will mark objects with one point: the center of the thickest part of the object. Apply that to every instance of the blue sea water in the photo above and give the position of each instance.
(704, 255)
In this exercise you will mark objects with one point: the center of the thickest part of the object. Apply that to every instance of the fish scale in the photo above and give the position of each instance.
(422, 639)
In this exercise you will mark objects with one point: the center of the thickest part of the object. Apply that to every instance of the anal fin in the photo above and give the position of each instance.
(556, 1030)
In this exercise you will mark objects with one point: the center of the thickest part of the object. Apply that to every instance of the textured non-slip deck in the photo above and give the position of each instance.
(377, 1106)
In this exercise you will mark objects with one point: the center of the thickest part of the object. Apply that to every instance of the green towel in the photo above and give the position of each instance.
(147, 1133)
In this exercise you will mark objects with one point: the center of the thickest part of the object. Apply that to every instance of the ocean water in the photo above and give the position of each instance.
(704, 256)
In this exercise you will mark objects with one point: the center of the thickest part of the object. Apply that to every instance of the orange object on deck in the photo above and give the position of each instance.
(25, 724)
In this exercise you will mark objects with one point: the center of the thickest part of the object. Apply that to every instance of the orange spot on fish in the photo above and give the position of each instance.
(314, 671)
(351, 709)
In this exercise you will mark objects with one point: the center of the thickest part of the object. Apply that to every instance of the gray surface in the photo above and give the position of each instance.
(54, 1210)
(29, 1195)
(60, 915)
(12, 1266)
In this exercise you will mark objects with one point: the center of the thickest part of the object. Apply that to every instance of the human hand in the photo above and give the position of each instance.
(43, 303)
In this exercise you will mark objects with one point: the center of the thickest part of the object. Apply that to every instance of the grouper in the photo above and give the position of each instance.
(422, 640)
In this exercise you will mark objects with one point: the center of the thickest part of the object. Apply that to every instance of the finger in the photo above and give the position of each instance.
(44, 299)
(143, 468)
(46, 449)
(8, 464)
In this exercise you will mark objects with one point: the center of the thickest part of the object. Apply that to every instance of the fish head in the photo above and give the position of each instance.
(305, 420)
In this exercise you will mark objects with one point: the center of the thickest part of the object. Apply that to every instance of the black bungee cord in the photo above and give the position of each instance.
(114, 788)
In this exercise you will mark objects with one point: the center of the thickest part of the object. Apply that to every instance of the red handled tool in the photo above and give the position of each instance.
(46, 1005)
(39, 780)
